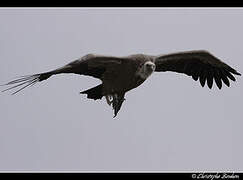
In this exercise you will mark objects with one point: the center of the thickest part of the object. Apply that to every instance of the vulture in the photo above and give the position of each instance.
(118, 75)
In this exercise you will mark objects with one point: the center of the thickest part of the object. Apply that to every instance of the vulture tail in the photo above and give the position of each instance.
(118, 99)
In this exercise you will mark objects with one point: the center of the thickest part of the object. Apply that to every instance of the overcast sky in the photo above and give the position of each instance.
(169, 123)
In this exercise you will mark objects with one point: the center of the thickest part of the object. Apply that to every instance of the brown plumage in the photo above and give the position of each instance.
(121, 74)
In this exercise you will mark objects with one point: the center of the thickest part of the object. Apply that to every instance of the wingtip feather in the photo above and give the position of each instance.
(24, 80)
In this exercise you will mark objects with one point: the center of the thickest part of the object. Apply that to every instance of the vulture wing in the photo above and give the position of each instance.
(199, 64)
(90, 65)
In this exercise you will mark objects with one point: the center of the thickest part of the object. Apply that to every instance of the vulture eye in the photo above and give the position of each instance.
(148, 65)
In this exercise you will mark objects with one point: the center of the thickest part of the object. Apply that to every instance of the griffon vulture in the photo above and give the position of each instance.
(121, 74)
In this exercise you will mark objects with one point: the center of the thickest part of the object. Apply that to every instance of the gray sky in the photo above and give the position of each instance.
(169, 123)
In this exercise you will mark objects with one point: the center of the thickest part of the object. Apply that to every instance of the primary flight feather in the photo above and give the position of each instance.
(121, 74)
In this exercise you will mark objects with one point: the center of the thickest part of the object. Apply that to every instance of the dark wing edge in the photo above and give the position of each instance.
(91, 65)
(199, 64)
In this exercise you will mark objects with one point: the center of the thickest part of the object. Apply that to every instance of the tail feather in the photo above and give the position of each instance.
(118, 99)
(27, 81)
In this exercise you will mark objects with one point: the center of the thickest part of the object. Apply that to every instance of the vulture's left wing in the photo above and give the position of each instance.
(199, 64)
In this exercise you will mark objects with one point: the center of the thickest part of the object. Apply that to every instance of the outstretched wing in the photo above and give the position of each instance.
(199, 64)
(91, 65)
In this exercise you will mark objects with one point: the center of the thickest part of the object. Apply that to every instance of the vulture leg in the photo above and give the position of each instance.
(109, 99)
